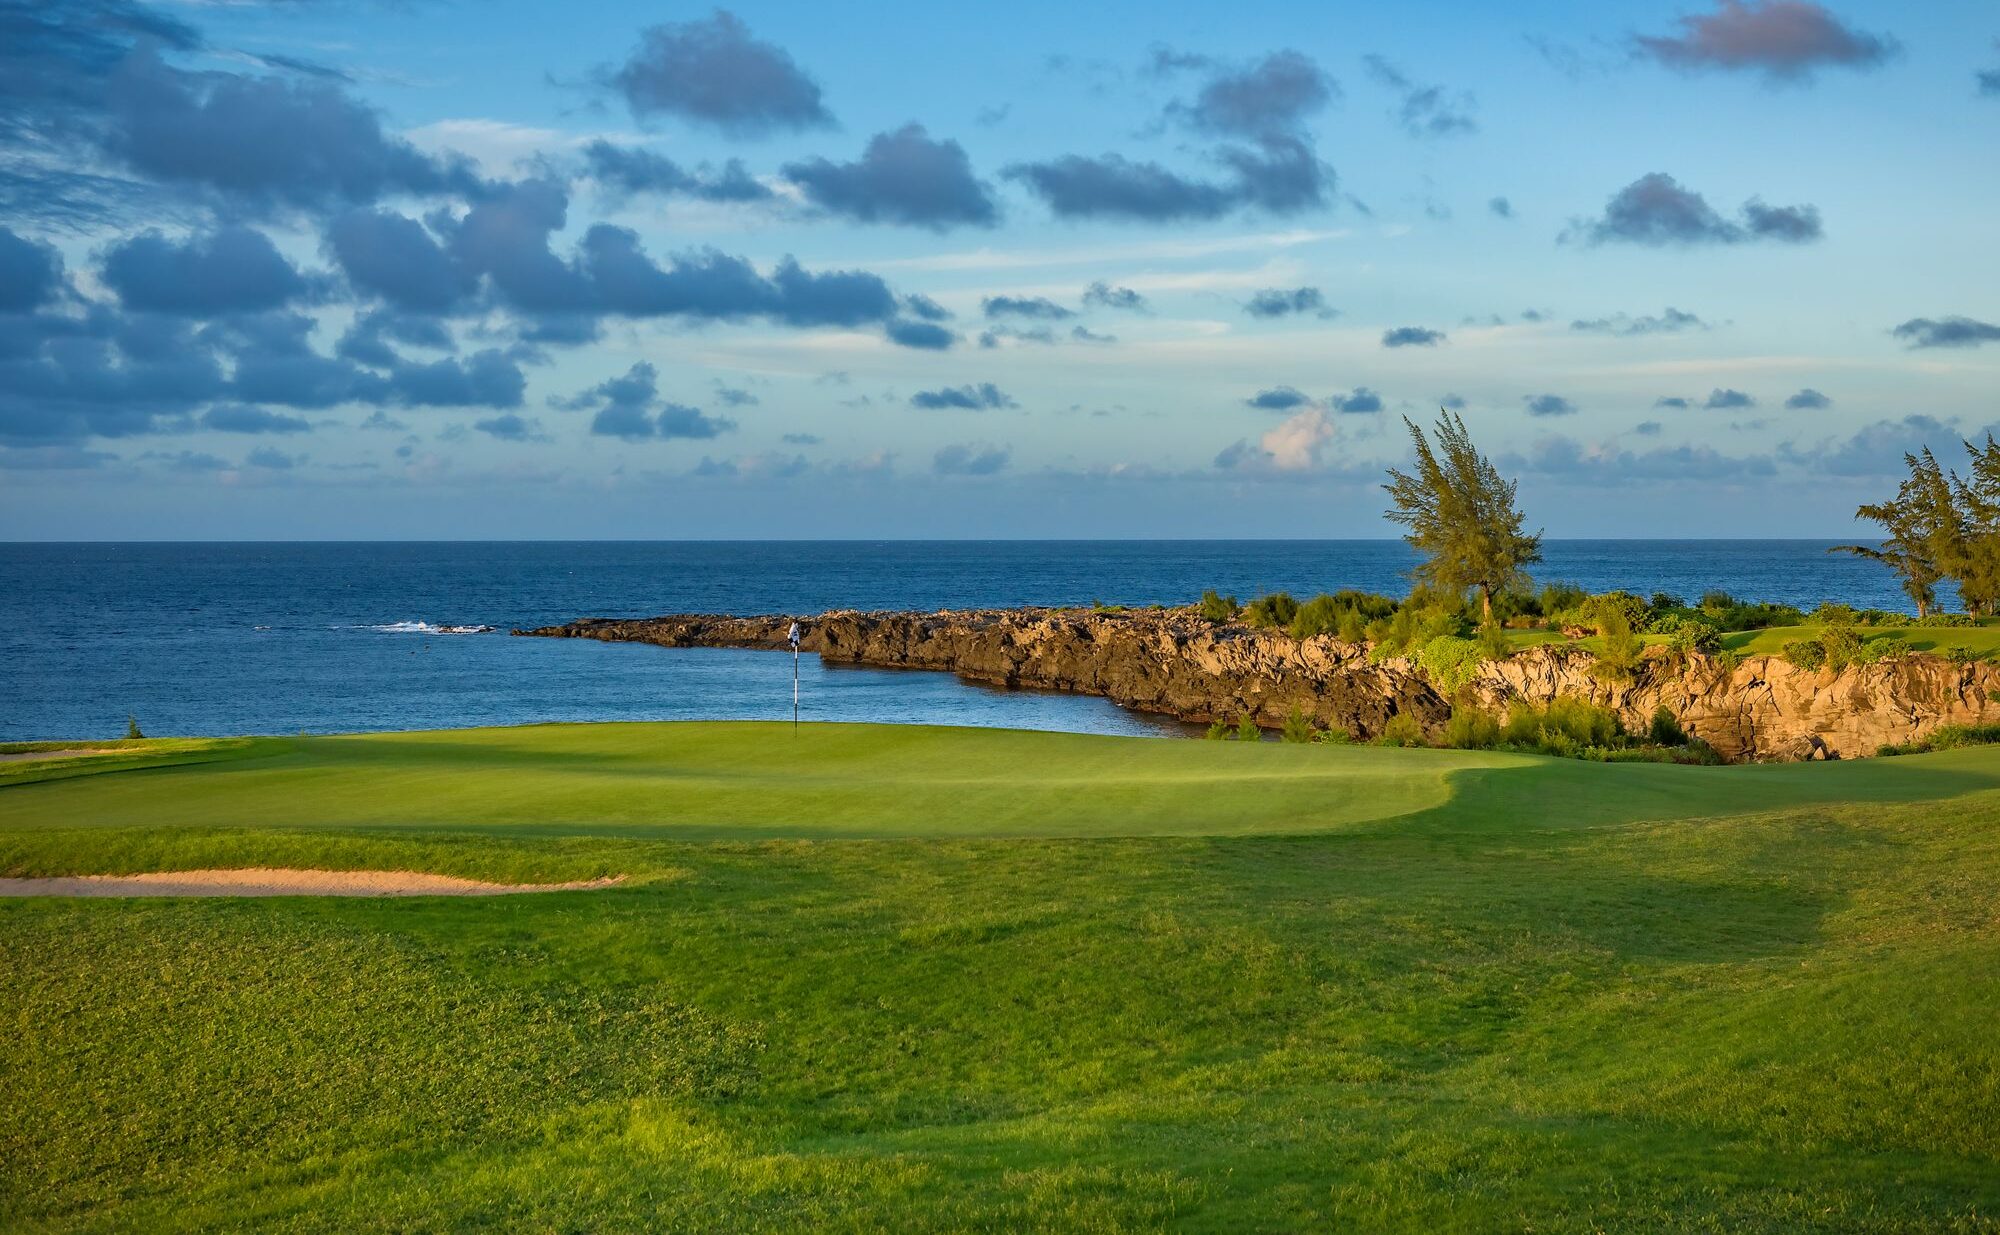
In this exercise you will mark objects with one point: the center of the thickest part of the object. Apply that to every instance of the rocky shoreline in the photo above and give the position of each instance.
(1171, 662)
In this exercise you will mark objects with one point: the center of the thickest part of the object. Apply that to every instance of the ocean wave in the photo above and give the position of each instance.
(425, 628)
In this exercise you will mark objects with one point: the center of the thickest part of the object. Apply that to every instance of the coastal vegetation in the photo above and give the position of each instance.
(1070, 984)
(1942, 526)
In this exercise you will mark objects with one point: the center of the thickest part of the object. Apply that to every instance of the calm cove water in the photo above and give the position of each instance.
(278, 638)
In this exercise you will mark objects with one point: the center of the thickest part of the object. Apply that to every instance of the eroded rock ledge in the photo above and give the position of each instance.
(1174, 663)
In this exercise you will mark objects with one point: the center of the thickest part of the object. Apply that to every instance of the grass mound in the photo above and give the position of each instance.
(948, 980)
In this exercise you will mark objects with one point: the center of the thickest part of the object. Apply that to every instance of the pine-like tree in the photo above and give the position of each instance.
(1461, 516)
(1978, 498)
(1922, 531)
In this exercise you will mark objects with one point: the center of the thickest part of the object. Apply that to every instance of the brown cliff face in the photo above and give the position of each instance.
(1172, 662)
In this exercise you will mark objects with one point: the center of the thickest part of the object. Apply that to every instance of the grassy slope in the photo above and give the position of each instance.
(1327, 986)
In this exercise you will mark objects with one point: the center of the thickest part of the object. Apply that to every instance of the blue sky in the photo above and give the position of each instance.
(328, 270)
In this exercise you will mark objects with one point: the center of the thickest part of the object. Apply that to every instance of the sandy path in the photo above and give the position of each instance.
(26, 755)
(267, 881)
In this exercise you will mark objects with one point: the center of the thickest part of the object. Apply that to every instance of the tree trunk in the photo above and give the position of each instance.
(1486, 603)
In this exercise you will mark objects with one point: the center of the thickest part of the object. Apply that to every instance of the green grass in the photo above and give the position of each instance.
(916, 979)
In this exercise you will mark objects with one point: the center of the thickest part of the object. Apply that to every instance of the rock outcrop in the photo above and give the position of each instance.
(1171, 662)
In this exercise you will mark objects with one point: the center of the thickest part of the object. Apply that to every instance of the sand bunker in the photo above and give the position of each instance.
(25, 756)
(266, 881)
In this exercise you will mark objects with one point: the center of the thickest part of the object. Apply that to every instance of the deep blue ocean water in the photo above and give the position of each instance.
(323, 637)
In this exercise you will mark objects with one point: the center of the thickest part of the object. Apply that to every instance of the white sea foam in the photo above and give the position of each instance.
(425, 628)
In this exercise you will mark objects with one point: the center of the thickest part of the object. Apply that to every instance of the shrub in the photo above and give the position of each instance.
(1449, 662)
(1218, 732)
(1471, 729)
(1619, 650)
(1298, 728)
(132, 733)
(1948, 737)
(1247, 730)
(1344, 613)
(1555, 597)
(1493, 643)
(1401, 729)
(1664, 729)
(1563, 726)
(1830, 614)
(1690, 636)
(1277, 609)
(1335, 735)
(1890, 647)
(1843, 646)
(1716, 601)
(1945, 620)
(1808, 654)
(1218, 609)
(1663, 601)
(1353, 627)
(1963, 656)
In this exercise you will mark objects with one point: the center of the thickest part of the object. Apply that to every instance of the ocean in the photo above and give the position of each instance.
(261, 638)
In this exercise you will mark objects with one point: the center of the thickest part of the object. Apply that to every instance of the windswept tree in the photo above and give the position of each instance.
(1461, 516)
(1924, 531)
(1978, 497)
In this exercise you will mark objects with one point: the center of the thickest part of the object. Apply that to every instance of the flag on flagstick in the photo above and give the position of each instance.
(793, 638)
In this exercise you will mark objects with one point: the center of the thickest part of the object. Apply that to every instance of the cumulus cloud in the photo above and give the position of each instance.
(263, 141)
(1425, 111)
(969, 398)
(1293, 446)
(1360, 400)
(1104, 296)
(1278, 399)
(31, 273)
(629, 407)
(970, 460)
(1946, 332)
(1877, 449)
(1038, 307)
(241, 418)
(1273, 95)
(230, 270)
(1675, 402)
(1784, 39)
(1808, 399)
(625, 171)
(1648, 428)
(394, 257)
(1284, 302)
(1500, 207)
(1670, 321)
(715, 72)
(1656, 210)
(1412, 336)
(1110, 186)
(924, 336)
(1989, 83)
(903, 177)
(511, 427)
(1548, 405)
(1728, 400)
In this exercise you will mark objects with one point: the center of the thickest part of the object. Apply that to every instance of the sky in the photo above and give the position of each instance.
(444, 269)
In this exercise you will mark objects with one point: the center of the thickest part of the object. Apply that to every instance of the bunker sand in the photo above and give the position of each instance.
(271, 881)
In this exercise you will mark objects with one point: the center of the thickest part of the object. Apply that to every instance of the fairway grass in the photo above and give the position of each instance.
(911, 979)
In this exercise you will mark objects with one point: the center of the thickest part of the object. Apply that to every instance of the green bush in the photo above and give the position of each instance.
(1948, 737)
(1218, 609)
(1298, 727)
(1471, 729)
(1664, 729)
(1809, 654)
(132, 733)
(1450, 662)
(1218, 732)
(1964, 656)
(1831, 614)
(1663, 601)
(1842, 645)
(1889, 647)
(1493, 643)
(1401, 729)
(1563, 726)
(1277, 609)
(1556, 597)
(1945, 620)
(1247, 730)
(1619, 651)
